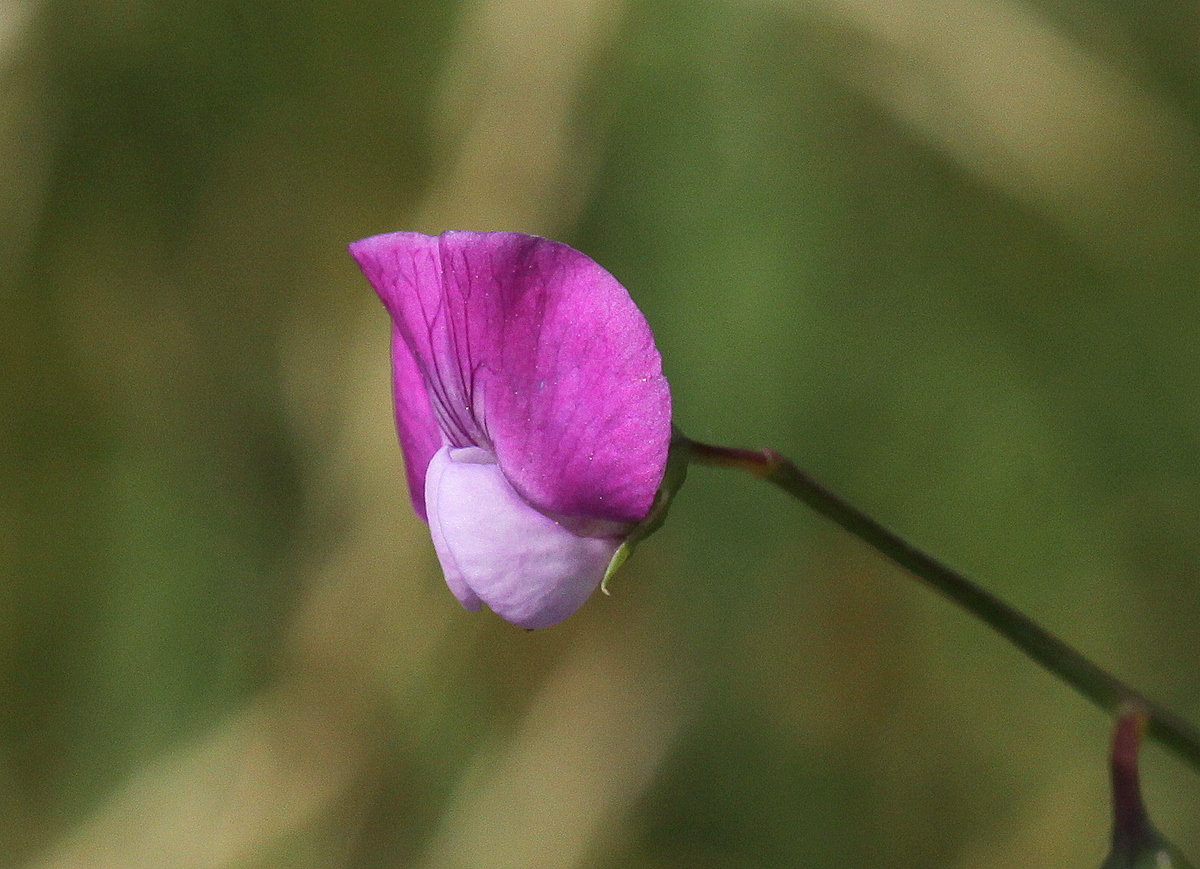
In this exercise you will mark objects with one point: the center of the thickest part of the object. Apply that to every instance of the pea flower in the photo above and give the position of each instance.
(531, 409)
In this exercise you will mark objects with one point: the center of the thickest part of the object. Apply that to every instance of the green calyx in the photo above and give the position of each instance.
(673, 477)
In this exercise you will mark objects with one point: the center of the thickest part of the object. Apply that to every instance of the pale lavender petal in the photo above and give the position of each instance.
(418, 430)
(494, 547)
(532, 351)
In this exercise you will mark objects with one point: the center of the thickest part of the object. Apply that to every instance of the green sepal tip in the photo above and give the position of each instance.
(673, 477)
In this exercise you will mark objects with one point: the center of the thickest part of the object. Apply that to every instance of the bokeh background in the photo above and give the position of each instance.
(944, 254)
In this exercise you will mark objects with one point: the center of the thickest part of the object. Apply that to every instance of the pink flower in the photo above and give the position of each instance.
(531, 407)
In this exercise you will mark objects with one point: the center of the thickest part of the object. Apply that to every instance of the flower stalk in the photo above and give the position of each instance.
(1092, 681)
(1136, 843)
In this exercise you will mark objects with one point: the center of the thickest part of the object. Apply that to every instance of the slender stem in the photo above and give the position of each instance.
(1131, 824)
(1095, 683)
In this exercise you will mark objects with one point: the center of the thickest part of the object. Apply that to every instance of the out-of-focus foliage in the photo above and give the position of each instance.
(945, 255)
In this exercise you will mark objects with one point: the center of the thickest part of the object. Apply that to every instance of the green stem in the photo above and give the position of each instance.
(1095, 683)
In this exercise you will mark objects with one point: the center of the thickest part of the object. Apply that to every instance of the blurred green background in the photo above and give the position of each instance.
(943, 254)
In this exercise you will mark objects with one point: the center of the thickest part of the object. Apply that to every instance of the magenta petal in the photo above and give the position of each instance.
(418, 430)
(532, 351)
(494, 547)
